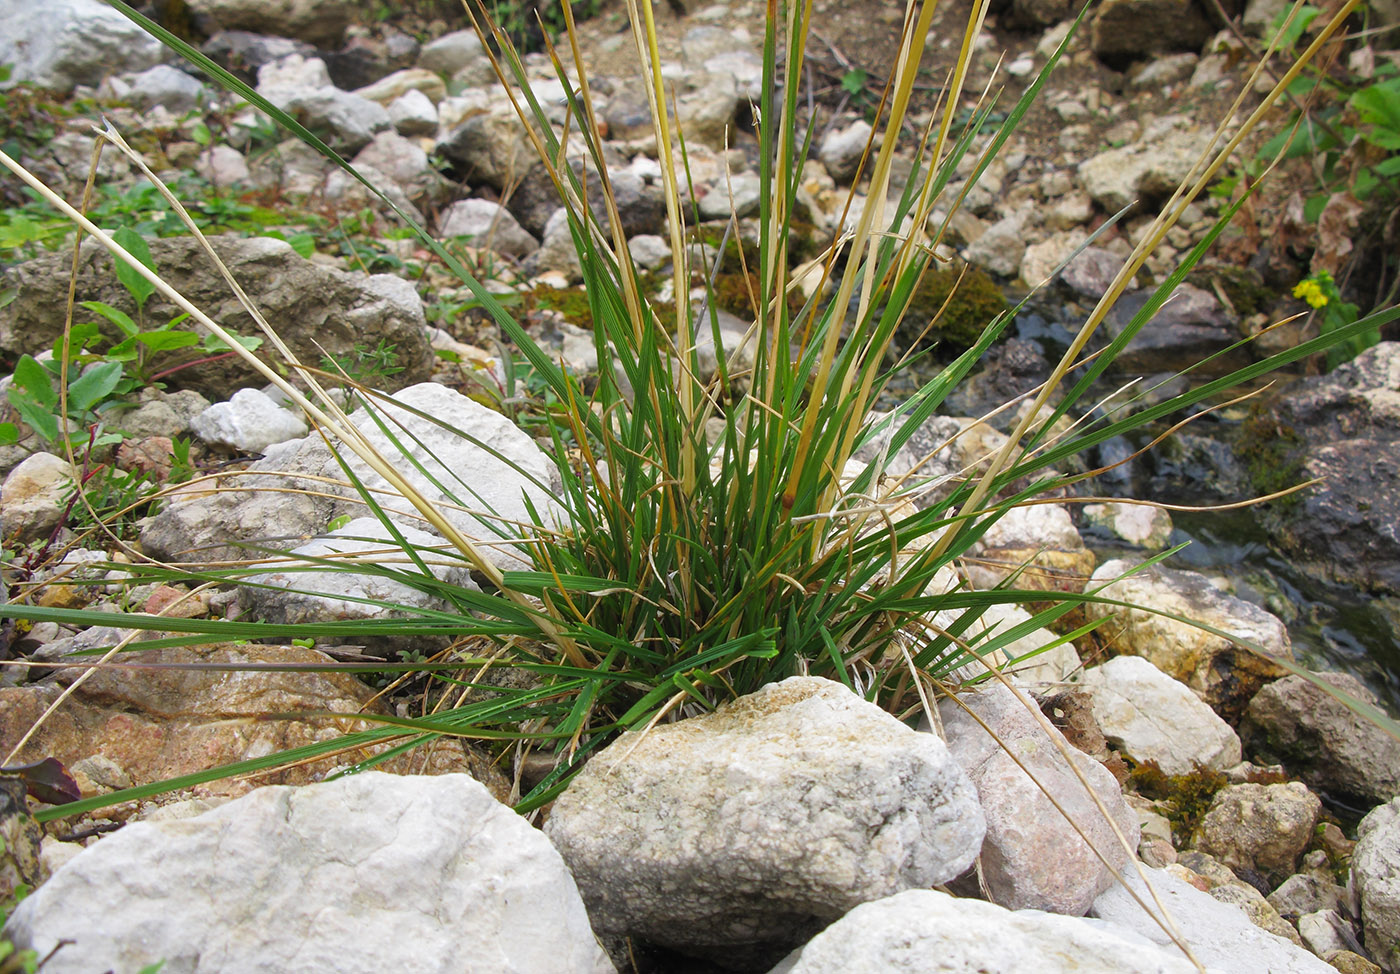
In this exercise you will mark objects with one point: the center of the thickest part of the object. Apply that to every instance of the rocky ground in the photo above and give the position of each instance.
(796, 830)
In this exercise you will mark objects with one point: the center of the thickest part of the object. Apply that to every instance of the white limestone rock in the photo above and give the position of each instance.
(1375, 883)
(1152, 717)
(923, 931)
(34, 497)
(1219, 934)
(250, 422)
(62, 43)
(368, 873)
(742, 831)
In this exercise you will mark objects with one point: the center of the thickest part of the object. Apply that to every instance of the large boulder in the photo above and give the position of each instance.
(1322, 740)
(317, 310)
(744, 831)
(319, 22)
(368, 873)
(1375, 883)
(1224, 673)
(64, 43)
(1035, 855)
(922, 931)
(1343, 427)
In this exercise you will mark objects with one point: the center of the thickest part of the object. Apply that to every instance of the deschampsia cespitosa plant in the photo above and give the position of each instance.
(711, 534)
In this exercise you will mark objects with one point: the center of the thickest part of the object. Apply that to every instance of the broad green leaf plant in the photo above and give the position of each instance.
(713, 535)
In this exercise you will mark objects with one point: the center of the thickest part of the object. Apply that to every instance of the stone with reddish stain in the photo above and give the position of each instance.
(166, 601)
(157, 724)
(1034, 857)
(153, 455)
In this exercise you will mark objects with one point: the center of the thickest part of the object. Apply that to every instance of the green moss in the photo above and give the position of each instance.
(1183, 798)
(975, 301)
(1272, 453)
(571, 302)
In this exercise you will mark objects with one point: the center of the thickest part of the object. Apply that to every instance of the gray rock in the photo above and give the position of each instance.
(302, 88)
(1347, 528)
(1322, 740)
(1137, 524)
(162, 413)
(250, 422)
(318, 22)
(1260, 828)
(166, 86)
(33, 499)
(490, 148)
(243, 52)
(488, 225)
(1032, 857)
(706, 111)
(212, 522)
(743, 831)
(452, 52)
(557, 251)
(363, 874)
(407, 167)
(736, 196)
(650, 251)
(999, 250)
(921, 931)
(223, 165)
(1375, 883)
(1163, 71)
(1326, 932)
(1124, 30)
(1221, 937)
(1260, 911)
(1148, 170)
(317, 310)
(413, 113)
(392, 87)
(64, 43)
(842, 149)
(1224, 674)
(1302, 894)
(1092, 272)
(299, 591)
(276, 506)
(1260, 15)
(1191, 326)
(1151, 717)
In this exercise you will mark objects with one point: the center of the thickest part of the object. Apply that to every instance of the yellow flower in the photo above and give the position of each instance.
(1311, 292)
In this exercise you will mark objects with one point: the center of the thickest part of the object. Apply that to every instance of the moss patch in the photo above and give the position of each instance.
(1183, 798)
(1272, 453)
(975, 301)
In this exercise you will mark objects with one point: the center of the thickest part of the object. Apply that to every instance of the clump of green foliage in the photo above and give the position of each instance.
(971, 297)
